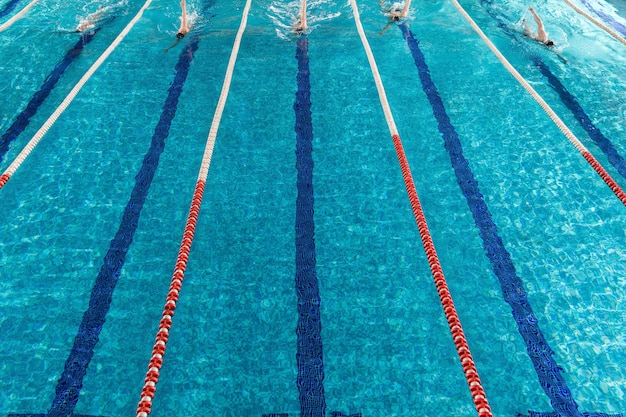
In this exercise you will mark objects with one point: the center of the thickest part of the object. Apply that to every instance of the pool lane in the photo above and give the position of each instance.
(34, 141)
(69, 385)
(309, 354)
(541, 355)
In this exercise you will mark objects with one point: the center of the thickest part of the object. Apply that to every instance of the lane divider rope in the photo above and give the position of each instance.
(15, 18)
(158, 351)
(467, 362)
(597, 22)
(17, 162)
(617, 190)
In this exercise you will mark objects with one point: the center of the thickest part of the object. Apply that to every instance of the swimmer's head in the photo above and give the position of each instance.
(549, 43)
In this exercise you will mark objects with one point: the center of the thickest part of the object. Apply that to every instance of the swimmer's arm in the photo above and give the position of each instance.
(405, 10)
(183, 5)
(172, 45)
(540, 27)
(386, 27)
(303, 16)
(561, 57)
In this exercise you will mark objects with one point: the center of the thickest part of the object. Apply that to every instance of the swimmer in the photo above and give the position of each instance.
(91, 20)
(184, 27)
(395, 13)
(542, 35)
(300, 27)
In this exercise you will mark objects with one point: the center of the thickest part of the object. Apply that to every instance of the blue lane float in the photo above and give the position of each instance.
(541, 355)
(71, 381)
(23, 119)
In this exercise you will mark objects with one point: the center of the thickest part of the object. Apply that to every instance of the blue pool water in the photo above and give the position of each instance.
(307, 272)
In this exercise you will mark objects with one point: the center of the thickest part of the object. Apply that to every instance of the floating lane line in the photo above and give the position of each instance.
(467, 362)
(541, 355)
(6, 175)
(158, 351)
(18, 16)
(23, 119)
(617, 190)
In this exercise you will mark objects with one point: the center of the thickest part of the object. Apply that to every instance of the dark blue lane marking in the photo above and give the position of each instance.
(309, 351)
(594, 133)
(566, 97)
(536, 414)
(332, 414)
(540, 353)
(309, 355)
(45, 415)
(608, 19)
(71, 381)
(23, 119)
(9, 7)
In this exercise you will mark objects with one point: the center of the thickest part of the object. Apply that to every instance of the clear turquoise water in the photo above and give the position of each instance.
(387, 350)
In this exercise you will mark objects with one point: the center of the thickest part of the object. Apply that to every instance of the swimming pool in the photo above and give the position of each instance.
(307, 290)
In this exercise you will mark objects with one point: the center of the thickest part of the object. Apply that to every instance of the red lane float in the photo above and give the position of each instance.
(160, 344)
(3, 179)
(158, 351)
(606, 177)
(467, 362)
